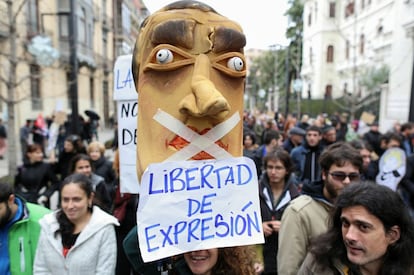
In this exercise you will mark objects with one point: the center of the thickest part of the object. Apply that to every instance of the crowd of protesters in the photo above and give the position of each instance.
(80, 184)
(325, 154)
(302, 163)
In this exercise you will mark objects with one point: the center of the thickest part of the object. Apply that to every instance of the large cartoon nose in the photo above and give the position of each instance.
(205, 99)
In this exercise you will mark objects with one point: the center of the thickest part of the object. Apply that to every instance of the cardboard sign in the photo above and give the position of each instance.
(127, 107)
(192, 205)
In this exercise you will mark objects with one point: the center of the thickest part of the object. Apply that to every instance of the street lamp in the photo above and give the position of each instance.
(276, 48)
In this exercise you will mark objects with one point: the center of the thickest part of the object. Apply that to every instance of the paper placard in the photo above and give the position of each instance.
(193, 205)
(127, 108)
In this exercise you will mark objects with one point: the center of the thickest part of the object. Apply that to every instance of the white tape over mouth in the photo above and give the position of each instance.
(197, 142)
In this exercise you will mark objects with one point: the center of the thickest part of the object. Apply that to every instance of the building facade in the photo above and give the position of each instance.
(343, 41)
(104, 30)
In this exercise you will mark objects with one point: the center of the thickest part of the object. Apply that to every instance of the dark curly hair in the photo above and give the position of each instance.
(238, 260)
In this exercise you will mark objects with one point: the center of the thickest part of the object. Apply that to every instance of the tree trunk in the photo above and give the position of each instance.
(11, 91)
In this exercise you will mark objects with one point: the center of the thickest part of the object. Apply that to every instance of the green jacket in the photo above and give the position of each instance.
(23, 237)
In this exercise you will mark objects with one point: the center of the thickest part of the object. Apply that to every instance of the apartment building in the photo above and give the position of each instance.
(345, 40)
(105, 29)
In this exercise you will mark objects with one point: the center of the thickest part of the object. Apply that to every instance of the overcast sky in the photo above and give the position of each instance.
(262, 21)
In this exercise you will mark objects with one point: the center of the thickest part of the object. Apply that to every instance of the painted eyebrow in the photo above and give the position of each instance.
(177, 32)
(228, 39)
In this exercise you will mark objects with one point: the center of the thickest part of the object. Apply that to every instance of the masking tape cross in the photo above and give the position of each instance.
(198, 142)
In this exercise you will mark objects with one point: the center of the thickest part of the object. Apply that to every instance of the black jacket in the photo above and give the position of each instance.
(62, 166)
(103, 167)
(270, 212)
(34, 176)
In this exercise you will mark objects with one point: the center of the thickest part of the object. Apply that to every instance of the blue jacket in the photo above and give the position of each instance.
(298, 155)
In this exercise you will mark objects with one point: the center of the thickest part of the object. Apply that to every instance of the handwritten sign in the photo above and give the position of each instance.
(192, 205)
(127, 106)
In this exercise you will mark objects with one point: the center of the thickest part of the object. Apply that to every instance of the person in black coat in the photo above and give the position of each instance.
(3, 138)
(406, 186)
(276, 190)
(35, 180)
(70, 149)
(102, 166)
(125, 209)
(82, 164)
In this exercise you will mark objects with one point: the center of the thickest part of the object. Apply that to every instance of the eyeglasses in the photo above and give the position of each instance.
(340, 176)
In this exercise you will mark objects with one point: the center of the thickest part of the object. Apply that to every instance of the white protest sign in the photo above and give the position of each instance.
(391, 168)
(127, 106)
(192, 205)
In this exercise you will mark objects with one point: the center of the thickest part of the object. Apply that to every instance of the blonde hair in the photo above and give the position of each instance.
(96, 144)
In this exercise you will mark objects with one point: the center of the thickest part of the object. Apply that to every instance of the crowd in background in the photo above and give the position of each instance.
(43, 173)
(304, 159)
(292, 155)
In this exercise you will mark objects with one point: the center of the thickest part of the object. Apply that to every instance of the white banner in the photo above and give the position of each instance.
(192, 205)
(127, 105)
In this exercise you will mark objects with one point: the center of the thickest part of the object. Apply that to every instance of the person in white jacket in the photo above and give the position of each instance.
(79, 238)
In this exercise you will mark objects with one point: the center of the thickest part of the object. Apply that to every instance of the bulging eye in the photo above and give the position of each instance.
(235, 63)
(164, 56)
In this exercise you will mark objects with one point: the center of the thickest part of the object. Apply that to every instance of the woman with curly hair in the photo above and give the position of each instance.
(238, 260)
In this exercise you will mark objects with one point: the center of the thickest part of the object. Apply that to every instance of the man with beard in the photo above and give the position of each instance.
(19, 232)
(307, 216)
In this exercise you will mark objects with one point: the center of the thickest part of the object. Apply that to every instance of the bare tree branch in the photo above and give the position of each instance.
(19, 9)
(2, 79)
(24, 78)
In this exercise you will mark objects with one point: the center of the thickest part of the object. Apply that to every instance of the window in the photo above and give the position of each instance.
(361, 44)
(92, 92)
(64, 26)
(347, 49)
(32, 18)
(380, 27)
(330, 54)
(104, 44)
(328, 91)
(332, 8)
(362, 4)
(64, 5)
(349, 9)
(310, 56)
(35, 95)
(89, 36)
(126, 19)
(309, 19)
(82, 26)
